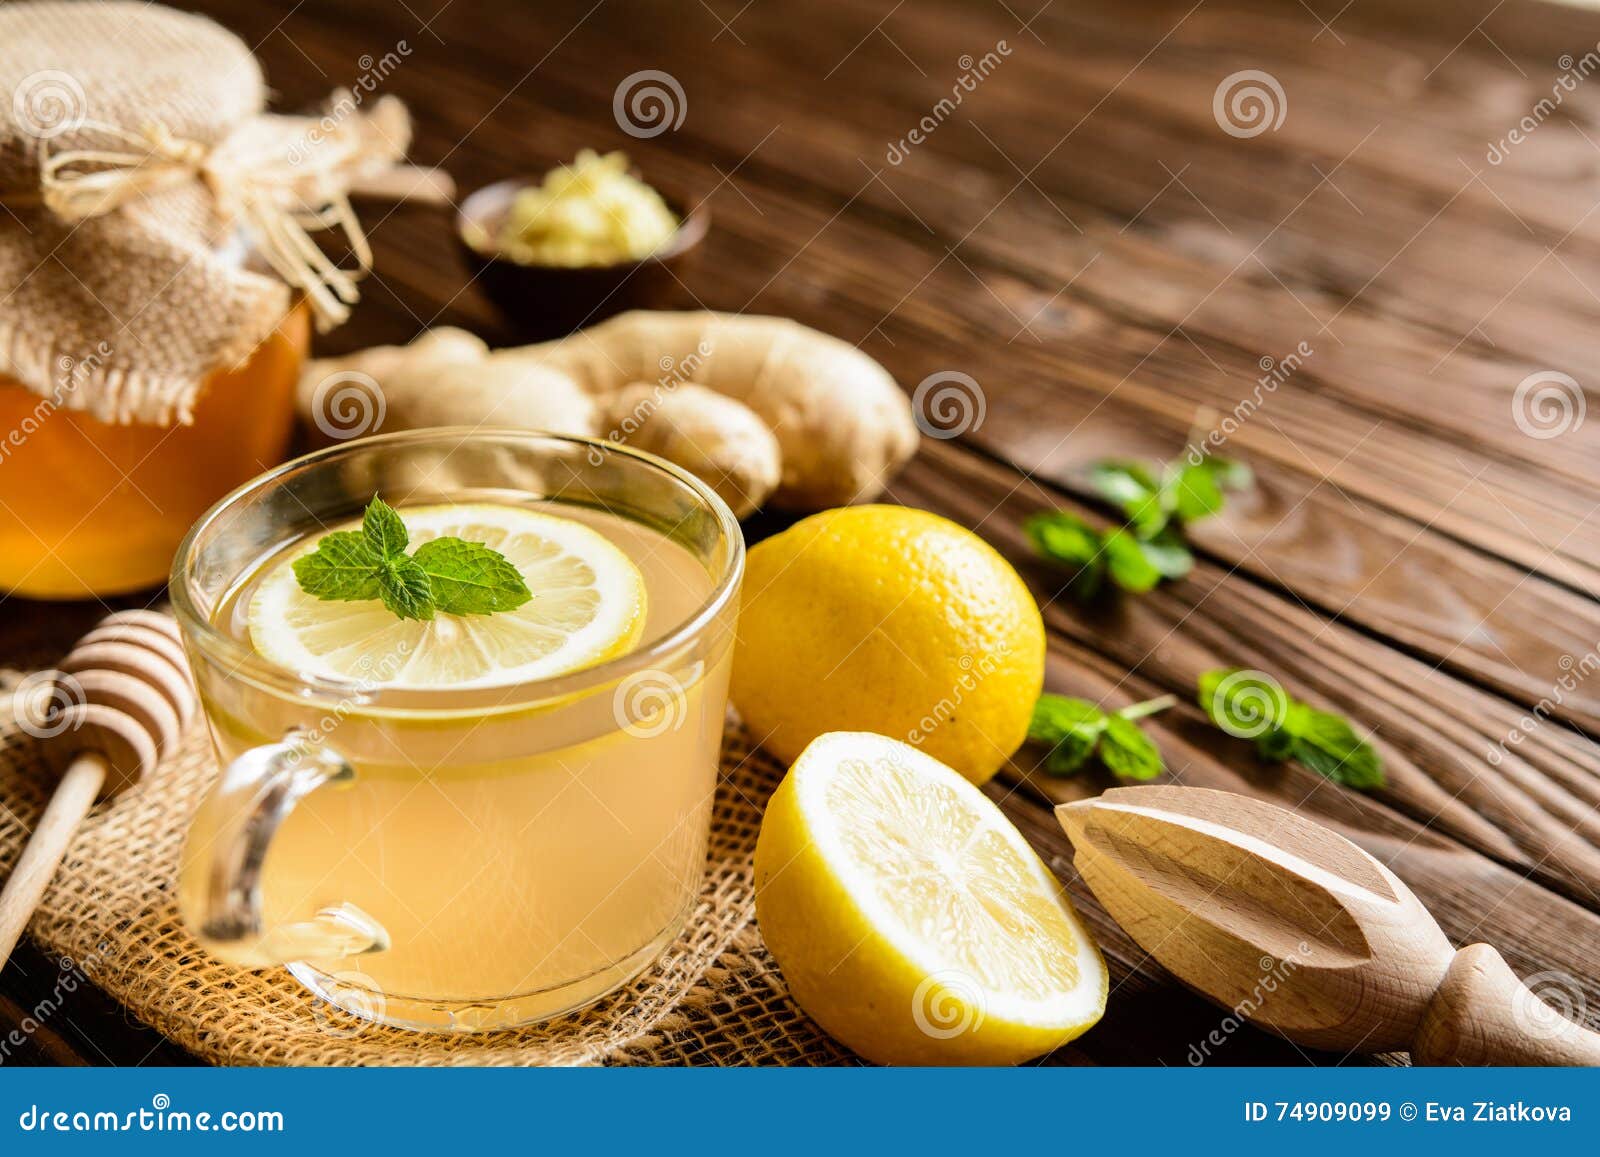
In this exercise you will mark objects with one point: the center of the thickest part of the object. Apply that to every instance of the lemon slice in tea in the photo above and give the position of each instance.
(910, 917)
(588, 605)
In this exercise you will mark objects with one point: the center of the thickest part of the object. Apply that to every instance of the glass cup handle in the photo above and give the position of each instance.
(227, 847)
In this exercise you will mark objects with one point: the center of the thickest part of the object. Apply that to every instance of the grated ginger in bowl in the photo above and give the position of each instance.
(591, 212)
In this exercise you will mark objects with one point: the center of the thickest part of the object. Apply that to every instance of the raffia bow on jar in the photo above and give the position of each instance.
(278, 178)
(138, 166)
(157, 270)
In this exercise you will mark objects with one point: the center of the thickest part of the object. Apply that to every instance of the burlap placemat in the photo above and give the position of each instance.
(715, 996)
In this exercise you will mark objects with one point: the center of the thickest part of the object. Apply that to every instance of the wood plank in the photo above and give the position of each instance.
(1030, 234)
(1133, 652)
(1535, 810)
(1433, 103)
(1015, 118)
(1535, 526)
(1482, 618)
(854, 283)
(1464, 836)
(1117, 278)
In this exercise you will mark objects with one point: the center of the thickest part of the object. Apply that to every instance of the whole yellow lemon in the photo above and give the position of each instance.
(893, 620)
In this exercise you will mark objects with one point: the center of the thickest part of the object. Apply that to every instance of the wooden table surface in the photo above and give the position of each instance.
(1080, 235)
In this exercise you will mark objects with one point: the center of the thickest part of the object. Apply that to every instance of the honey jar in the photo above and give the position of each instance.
(158, 279)
(92, 508)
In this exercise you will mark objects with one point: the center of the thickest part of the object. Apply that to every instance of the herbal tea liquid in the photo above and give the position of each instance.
(534, 858)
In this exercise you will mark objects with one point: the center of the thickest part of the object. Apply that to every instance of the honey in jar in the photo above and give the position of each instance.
(92, 508)
(158, 278)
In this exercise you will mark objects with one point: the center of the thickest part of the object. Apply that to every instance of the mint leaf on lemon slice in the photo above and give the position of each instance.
(383, 529)
(445, 574)
(404, 588)
(343, 568)
(443, 596)
(468, 578)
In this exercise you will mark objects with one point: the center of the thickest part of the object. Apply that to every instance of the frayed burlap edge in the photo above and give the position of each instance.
(68, 374)
(713, 998)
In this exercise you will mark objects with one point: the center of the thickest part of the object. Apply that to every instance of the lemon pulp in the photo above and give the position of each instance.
(911, 919)
(588, 605)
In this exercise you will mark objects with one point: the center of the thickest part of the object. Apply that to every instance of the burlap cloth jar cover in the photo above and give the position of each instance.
(134, 152)
(136, 159)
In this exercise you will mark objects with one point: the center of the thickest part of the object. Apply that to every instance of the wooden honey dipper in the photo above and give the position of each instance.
(116, 704)
(1300, 932)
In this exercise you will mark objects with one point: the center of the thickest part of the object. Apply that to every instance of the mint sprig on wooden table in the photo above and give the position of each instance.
(1077, 730)
(1252, 705)
(1156, 506)
(1182, 493)
(447, 574)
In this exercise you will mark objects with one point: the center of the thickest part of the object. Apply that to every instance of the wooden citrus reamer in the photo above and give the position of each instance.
(1302, 933)
(118, 702)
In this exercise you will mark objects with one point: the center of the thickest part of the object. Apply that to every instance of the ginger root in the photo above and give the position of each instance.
(758, 407)
(722, 441)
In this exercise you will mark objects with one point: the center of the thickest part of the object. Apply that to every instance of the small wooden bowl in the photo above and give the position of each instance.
(549, 301)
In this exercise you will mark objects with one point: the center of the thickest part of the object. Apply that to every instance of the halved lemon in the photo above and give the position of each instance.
(912, 921)
(588, 605)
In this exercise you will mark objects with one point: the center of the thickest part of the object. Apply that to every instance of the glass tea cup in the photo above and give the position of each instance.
(473, 857)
